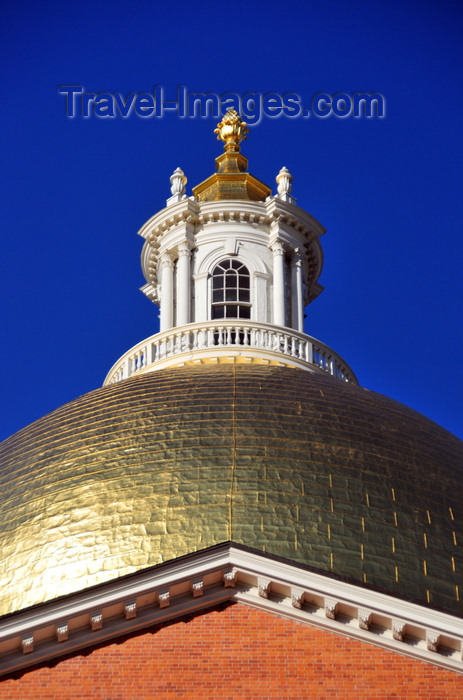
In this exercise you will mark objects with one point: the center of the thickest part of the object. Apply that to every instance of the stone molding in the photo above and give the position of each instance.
(296, 228)
(234, 573)
(196, 343)
(130, 610)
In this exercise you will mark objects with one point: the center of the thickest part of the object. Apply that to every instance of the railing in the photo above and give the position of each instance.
(216, 338)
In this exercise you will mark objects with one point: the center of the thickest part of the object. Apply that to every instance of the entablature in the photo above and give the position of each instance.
(227, 573)
(260, 222)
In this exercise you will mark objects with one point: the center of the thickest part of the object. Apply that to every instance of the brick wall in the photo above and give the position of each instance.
(234, 652)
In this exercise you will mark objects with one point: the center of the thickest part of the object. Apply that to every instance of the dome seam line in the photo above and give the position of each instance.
(233, 461)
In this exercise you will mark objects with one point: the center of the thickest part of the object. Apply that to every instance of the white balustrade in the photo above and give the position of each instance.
(221, 337)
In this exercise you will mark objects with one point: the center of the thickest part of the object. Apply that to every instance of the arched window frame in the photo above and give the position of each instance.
(230, 290)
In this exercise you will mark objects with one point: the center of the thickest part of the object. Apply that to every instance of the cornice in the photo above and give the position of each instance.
(235, 573)
(280, 219)
(294, 217)
(275, 209)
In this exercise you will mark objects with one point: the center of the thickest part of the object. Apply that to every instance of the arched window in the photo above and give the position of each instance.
(231, 290)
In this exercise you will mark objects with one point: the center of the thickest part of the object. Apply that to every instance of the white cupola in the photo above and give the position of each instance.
(231, 268)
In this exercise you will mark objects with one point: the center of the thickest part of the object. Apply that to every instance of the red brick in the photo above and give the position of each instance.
(235, 652)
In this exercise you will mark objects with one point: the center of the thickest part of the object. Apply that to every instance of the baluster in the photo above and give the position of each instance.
(253, 337)
(309, 352)
(323, 359)
(293, 346)
(267, 338)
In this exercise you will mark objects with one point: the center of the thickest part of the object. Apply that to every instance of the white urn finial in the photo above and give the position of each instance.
(177, 186)
(284, 180)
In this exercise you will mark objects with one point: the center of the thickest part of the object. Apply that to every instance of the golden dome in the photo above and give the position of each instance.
(294, 463)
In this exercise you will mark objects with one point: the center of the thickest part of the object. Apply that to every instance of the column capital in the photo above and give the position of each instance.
(167, 259)
(184, 248)
(297, 256)
(277, 248)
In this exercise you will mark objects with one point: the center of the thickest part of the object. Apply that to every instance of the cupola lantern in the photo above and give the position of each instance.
(232, 269)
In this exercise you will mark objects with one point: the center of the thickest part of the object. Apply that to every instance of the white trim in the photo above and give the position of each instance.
(195, 343)
(246, 256)
(297, 229)
(228, 572)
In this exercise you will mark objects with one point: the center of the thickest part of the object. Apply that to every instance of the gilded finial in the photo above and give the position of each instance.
(232, 179)
(231, 130)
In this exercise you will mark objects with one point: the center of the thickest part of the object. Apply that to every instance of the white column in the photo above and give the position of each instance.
(259, 297)
(200, 313)
(167, 292)
(183, 284)
(279, 301)
(297, 301)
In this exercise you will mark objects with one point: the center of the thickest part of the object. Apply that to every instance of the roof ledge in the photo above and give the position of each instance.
(234, 573)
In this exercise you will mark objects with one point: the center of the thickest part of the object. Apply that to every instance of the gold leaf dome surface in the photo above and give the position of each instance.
(294, 463)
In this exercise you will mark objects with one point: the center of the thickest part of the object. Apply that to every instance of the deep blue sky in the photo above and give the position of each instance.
(75, 192)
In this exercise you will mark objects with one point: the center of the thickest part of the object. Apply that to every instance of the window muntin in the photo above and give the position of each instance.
(231, 290)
